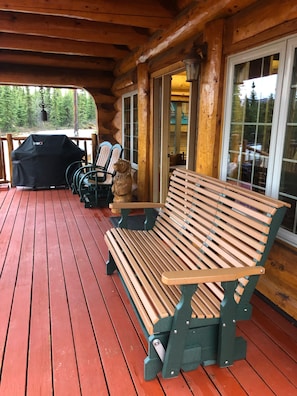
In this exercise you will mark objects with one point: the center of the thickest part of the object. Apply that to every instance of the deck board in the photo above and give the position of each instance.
(39, 377)
(66, 328)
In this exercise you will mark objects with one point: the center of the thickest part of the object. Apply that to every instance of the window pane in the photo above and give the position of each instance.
(127, 127)
(130, 128)
(288, 184)
(254, 89)
(135, 130)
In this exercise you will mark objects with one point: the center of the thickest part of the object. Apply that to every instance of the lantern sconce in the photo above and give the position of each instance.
(193, 61)
(42, 105)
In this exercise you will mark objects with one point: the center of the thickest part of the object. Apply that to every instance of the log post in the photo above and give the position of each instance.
(143, 131)
(210, 101)
(94, 146)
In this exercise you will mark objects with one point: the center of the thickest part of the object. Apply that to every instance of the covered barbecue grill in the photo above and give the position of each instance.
(41, 160)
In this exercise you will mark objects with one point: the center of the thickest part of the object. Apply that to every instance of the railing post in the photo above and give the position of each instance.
(94, 146)
(3, 178)
(9, 148)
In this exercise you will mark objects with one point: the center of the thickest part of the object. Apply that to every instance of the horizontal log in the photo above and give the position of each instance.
(280, 282)
(71, 28)
(54, 45)
(142, 13)
(251, 22)
(105, 117)
(124, 81)
(56, 60)
(25, 75)
(275, 33)
(188, 25)
(101, 97)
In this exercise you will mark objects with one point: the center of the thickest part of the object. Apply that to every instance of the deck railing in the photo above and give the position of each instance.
(9, 143)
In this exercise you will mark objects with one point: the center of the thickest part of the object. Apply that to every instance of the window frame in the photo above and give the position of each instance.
(132, 95)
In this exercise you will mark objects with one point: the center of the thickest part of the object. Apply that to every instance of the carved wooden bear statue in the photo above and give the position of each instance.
(122, 182)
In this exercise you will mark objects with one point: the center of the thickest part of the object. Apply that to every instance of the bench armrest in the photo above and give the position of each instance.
(209, 275)
(135, 205)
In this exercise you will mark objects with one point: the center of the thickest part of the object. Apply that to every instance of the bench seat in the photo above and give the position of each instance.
(191, 276)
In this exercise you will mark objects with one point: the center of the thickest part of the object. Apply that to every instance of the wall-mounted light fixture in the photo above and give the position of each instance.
(42, 105)
(193, 61)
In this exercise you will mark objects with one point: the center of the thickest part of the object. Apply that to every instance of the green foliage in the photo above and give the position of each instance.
(20, 109)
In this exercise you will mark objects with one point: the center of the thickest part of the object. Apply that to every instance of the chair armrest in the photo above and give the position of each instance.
(90, 166)
(189, 277)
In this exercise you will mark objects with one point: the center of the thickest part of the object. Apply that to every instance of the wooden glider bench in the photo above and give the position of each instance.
(190, 278)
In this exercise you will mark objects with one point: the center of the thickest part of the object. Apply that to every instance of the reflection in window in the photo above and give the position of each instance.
(130, 128)
(288, 183)
(253, 99)
(179, 113)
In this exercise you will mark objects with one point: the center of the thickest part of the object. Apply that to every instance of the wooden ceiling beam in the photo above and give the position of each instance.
(56, 46)
(56, 60)
(142, 13)
(71, 28)
(54, 77)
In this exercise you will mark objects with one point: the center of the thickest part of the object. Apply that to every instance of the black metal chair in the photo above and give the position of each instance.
(95, 187)
(76, 170)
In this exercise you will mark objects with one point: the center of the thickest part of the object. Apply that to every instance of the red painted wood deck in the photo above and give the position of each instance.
(66, 328)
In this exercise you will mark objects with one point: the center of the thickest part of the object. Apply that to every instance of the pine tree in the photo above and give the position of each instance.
(20, 108)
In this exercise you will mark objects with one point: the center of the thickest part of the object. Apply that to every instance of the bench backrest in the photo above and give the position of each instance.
(213, 224)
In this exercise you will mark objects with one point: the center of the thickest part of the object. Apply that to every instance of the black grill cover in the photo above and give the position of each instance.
(41, 160)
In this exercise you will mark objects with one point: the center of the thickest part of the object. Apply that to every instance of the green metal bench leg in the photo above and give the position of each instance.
(230, 347)
(178, 335)
(123, 222)
(110, 265)
(153, 362)
(150, 218)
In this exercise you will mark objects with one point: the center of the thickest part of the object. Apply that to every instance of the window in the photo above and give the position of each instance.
(260, 131)
(130, 128)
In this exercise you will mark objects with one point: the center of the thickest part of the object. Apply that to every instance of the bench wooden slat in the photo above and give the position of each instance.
(144, 278)
(163, 262)
(243, 234)
(227, 197)
(139, 296)
(179, 175)
(207, 302)
(204, 307)
(206, 198)
(208, 251)
(146, 275)
(171, 262)
(206, 206)
(194, 259)
(223, 238)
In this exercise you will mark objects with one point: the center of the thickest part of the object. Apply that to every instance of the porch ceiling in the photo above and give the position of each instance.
(80, 34)
(91, 36)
